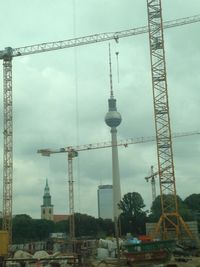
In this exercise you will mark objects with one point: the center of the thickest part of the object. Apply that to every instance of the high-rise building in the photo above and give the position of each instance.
(47, 207)
(105, 201)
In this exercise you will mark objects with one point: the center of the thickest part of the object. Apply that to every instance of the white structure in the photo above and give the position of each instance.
(113, 119)
(105, 201)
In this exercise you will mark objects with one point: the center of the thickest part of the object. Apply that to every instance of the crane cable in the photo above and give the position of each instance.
(76, 101)
(117, 58)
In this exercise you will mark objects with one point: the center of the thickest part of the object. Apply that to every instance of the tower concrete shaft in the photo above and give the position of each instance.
(115, 174)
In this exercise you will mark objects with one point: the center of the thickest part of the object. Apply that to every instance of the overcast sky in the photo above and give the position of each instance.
(60, 99)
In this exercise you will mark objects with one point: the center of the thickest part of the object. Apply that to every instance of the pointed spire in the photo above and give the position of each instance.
(46, 189)
(46, 196)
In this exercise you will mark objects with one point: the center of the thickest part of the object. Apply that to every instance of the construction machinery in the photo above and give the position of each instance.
(4, 241)
(170, 221)
(73, 152)
(7, 55)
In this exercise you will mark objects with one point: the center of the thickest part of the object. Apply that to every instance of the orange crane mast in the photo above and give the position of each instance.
(6, 56)
(73, 152)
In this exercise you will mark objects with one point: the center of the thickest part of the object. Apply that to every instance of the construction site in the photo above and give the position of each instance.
(170, 241)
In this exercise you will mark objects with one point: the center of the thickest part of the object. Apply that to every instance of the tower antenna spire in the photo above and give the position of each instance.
(110, 65)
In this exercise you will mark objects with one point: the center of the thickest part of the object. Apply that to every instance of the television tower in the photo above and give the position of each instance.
(113, 119)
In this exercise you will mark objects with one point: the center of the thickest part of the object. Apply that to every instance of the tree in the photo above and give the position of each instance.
(85, 225)
(43, 228)
(62, 226)
(132, 217)
(156, 209)
(105, 228)
(22, 228)
(193, 202)
(26, 229)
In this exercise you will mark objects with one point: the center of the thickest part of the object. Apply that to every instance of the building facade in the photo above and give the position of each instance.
(60, 217)
(47, 207)
(105, 201)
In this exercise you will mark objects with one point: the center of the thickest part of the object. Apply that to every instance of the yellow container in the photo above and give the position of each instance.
(4, 237)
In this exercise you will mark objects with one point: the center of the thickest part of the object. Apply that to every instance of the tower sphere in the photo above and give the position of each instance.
(113, 118)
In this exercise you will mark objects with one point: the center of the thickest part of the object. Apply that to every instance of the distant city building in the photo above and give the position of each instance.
(47, 207)
(105, 201)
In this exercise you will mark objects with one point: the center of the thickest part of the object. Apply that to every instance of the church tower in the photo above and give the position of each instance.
(47, 207)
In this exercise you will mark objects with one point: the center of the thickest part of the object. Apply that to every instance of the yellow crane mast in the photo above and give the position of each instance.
(170, 220)
(7, 55)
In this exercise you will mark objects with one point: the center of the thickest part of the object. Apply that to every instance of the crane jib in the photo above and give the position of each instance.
(9, 52)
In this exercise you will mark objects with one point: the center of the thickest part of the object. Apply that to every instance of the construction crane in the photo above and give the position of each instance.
(170, 220)
(7, 55)
(153, 182)
(73, 152)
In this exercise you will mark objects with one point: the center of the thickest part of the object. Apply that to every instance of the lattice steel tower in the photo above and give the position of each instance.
(170, 220)
(8, 144)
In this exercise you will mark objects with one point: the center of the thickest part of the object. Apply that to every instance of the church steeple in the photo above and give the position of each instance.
(46, 189)
(47, 207)
(47, 196)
